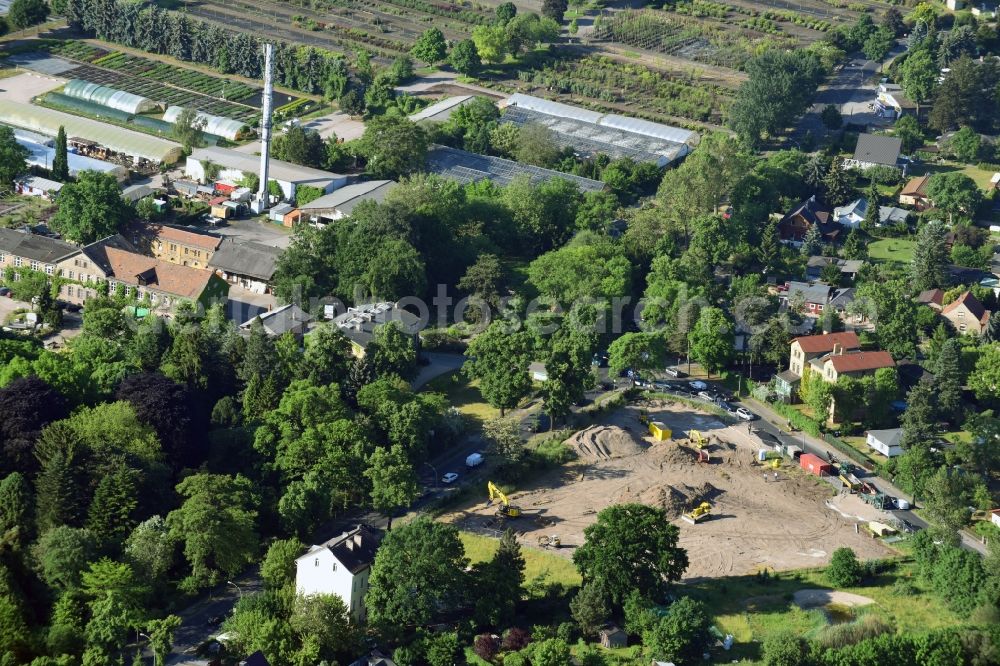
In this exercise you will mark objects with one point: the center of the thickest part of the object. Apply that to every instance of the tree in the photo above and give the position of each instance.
(878, 44)
(838, 184)
(394, 483)
(681, 634)
(464, 56)
(112, 513)
(930, 257)
(161, 637)
(844, 569)
(779, 87)
(955, 193)
(505, 12)
(907, 130)
(16, 513)
(60, 163)
(965, 144)
(984, 380)
(812, 242)
(26, 13)
(555, 9)
(498, 583)
(491, 43)
(393, 350)
(484, 279)
(568, 371)
(430, 47)
(150, 549)
(785, 648)
(635, 351)
(188, 127)
(919, 74)
(590, 608)
(13, 157)
(28, 405)
(278, 568)
(948, 380)
(300, 145)
(711, 340)
(62, 554)
(393, 146)
(536, 145)
(322, 623)
(947, 495)
(171, 410)
(893, 20)
(216, 525)
(631, 547)
(504, 438)
(417, 575)
(327, 357)
(499, 360)
(91, 208)
(831, 117)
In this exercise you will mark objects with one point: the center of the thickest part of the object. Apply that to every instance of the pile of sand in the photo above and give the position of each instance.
(677, 499)
(600, 442)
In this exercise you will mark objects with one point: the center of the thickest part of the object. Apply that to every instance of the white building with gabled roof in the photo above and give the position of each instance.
(340, 567)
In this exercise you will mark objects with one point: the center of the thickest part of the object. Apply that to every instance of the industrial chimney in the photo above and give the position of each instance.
(261, 203)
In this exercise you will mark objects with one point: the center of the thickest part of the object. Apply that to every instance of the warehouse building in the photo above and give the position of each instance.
(338, 205)
(142, 150)
(109, 97)
(590, 133)
(441, 111)
(234, 165)
(227, 128)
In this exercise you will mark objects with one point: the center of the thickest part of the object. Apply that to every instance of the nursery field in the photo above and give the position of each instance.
(164, 82)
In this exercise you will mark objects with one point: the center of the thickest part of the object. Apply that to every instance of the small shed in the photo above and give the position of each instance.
(277, 213)
(613, 637)
(218, 207)
(815, 465)
(659, 431)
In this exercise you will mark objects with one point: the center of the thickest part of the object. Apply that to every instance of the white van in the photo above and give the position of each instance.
(474, 460)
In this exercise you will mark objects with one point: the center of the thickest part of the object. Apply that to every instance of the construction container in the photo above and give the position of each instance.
(815, 465)
(659, 431)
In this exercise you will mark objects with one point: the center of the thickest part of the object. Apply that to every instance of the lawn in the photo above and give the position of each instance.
(897, 250)
(463, 395)
(537, 563)
(981, 176)
(751, 608)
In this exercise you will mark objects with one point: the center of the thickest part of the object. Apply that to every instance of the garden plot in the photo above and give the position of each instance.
(755, 523)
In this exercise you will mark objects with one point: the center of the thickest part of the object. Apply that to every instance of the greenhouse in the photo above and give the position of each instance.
(109, 97)
(227, 128)
(590, 133)
(116, 139)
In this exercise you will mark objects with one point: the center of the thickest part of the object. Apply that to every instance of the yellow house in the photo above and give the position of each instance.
(174, 244)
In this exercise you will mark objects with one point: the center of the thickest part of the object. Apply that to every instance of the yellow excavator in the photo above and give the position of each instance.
(699, 440)
(698, 514)
(506, 509)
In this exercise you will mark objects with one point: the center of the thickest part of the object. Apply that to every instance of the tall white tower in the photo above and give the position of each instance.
(260, 204)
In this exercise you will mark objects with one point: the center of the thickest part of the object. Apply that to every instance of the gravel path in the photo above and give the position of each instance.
(815, 598)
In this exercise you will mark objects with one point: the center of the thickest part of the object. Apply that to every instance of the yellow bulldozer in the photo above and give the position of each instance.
(506, 509)
(698, 514)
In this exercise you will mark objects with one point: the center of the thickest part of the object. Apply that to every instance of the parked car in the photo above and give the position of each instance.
(706, 395)
(698, 385)
(725, 406)
(449, 477)
(474, 459)
(5, 291)
(674, 372)
(745, 414)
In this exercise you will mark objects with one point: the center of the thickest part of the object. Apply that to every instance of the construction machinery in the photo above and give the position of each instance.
(546, 541)
(506, 509)
(704, 456)
(699, 440)
(698, 514)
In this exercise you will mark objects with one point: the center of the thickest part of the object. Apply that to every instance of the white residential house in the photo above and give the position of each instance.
(886, 442)
(851, 215)
(340, 567)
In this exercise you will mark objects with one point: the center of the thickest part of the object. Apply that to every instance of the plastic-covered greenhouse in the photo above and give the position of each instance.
(227, 128)
(109, 97)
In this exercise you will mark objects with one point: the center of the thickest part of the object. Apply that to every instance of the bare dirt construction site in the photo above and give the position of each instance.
(756, 522)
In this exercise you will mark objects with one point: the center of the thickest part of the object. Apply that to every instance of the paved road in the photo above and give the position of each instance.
(850, 89)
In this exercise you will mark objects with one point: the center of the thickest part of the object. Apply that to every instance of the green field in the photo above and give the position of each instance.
(895, 250)
(537, 563)
(463, 395)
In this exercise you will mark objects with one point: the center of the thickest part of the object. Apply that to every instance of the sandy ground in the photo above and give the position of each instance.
(816, 598)
(23, 87)
(756, 522)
